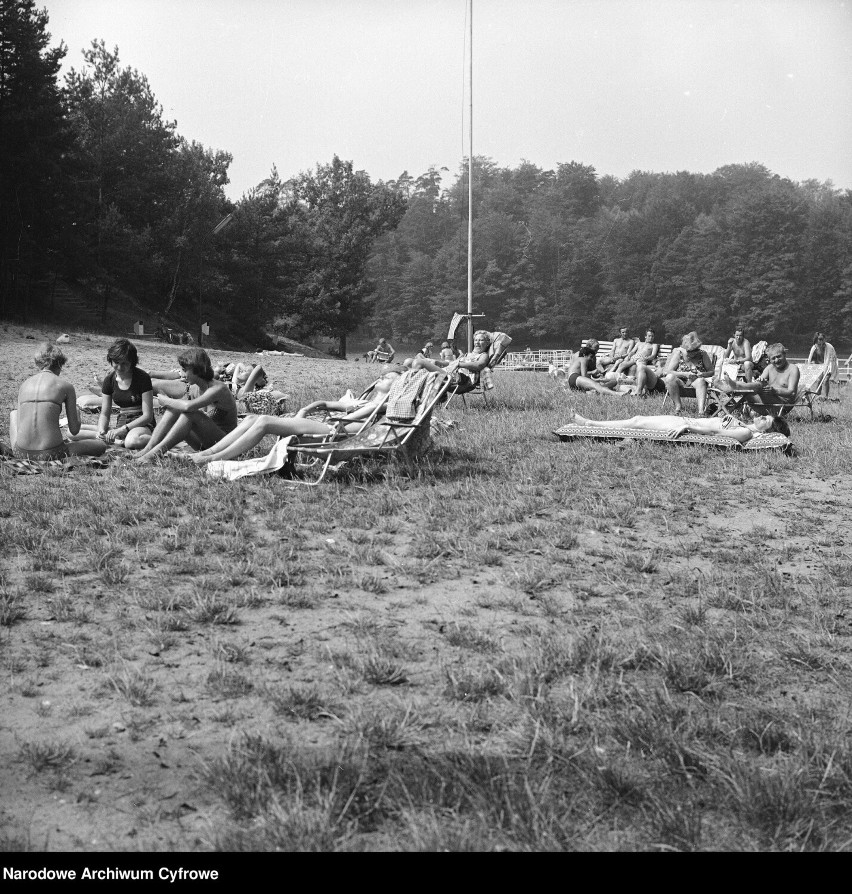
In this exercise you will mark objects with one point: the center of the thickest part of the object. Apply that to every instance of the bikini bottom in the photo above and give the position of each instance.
(59, 452)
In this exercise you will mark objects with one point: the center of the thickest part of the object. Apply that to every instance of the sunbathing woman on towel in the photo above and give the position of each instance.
(675, 426)
(34, 428)
(201, 420)
(253, 429)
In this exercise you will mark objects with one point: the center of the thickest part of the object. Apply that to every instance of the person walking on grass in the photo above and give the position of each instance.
(34, 426)
(205, 416)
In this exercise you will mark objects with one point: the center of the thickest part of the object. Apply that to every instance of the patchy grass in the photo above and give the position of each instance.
(515, 644)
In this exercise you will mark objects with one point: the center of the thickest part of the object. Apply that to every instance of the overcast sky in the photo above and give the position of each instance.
(656, 85)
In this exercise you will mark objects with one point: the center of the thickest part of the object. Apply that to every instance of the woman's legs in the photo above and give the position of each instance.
(243, 426)
(87, 447)
(587, 384)
(164, 426)
(673, 388)
(257, 431)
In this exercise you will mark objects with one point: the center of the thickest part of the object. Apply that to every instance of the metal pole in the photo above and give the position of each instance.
(470, 196)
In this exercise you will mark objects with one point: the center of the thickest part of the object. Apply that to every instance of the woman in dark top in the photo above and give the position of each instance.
(132, 391)
(205, 416)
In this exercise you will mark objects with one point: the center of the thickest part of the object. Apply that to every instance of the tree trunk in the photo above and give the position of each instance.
(107, 288)
(342, 350)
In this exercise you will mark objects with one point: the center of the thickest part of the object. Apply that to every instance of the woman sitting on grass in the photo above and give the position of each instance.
(34, 427)
(253, 429)
(200, 420)
(675, 426)
(132, 391)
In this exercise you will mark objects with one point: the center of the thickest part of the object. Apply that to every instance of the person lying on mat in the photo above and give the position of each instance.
(34, 426)
(200, 420)
(582, 367)
(253, 429)
(778, 383)
(675, 426)
(132, 391)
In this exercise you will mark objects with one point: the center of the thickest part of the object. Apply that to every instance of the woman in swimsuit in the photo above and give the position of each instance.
(35, 428)
(204, 416)
(675, 426)
(253, 429)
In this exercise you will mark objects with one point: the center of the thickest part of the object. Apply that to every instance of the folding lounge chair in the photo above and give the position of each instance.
(388, 435)
(485, 381)
(811, 378)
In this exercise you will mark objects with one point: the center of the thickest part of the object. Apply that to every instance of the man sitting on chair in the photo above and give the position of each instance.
(778, 383)
(382, 353)
(621, 347)
(739, 352)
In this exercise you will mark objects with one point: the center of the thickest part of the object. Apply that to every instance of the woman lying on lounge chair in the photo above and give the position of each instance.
(675, 426)
(253, 429)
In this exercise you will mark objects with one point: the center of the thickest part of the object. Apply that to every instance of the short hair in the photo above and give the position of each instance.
(776, 347)
(649, 329)
(690, 341)
(482, 334)
(196, 360)
(123, 349)
(49, 356)
(781, 426)
(593, 344)
(818, 336)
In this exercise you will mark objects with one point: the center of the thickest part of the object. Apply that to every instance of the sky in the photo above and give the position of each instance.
(653, 85)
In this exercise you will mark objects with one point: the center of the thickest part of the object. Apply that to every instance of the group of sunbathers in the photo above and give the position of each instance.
(635, 367)
(198, 404)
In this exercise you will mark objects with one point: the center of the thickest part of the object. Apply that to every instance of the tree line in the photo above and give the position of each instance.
(567, 254)
(96, 186)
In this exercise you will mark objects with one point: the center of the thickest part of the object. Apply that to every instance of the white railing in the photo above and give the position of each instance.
(535, 360)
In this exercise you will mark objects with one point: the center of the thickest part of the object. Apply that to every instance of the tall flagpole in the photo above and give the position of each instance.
(470, 196)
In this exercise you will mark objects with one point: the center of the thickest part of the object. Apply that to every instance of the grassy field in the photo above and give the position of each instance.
(527, 645)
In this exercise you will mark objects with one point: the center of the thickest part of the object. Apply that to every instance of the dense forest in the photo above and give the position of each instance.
(97, 188)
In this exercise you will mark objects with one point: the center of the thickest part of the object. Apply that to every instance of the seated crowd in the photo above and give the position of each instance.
(692, 369)
(197, 402)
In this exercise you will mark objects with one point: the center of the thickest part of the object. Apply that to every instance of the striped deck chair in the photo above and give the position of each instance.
(404, 430)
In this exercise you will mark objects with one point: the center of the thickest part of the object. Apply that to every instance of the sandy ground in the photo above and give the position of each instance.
(134, 781)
